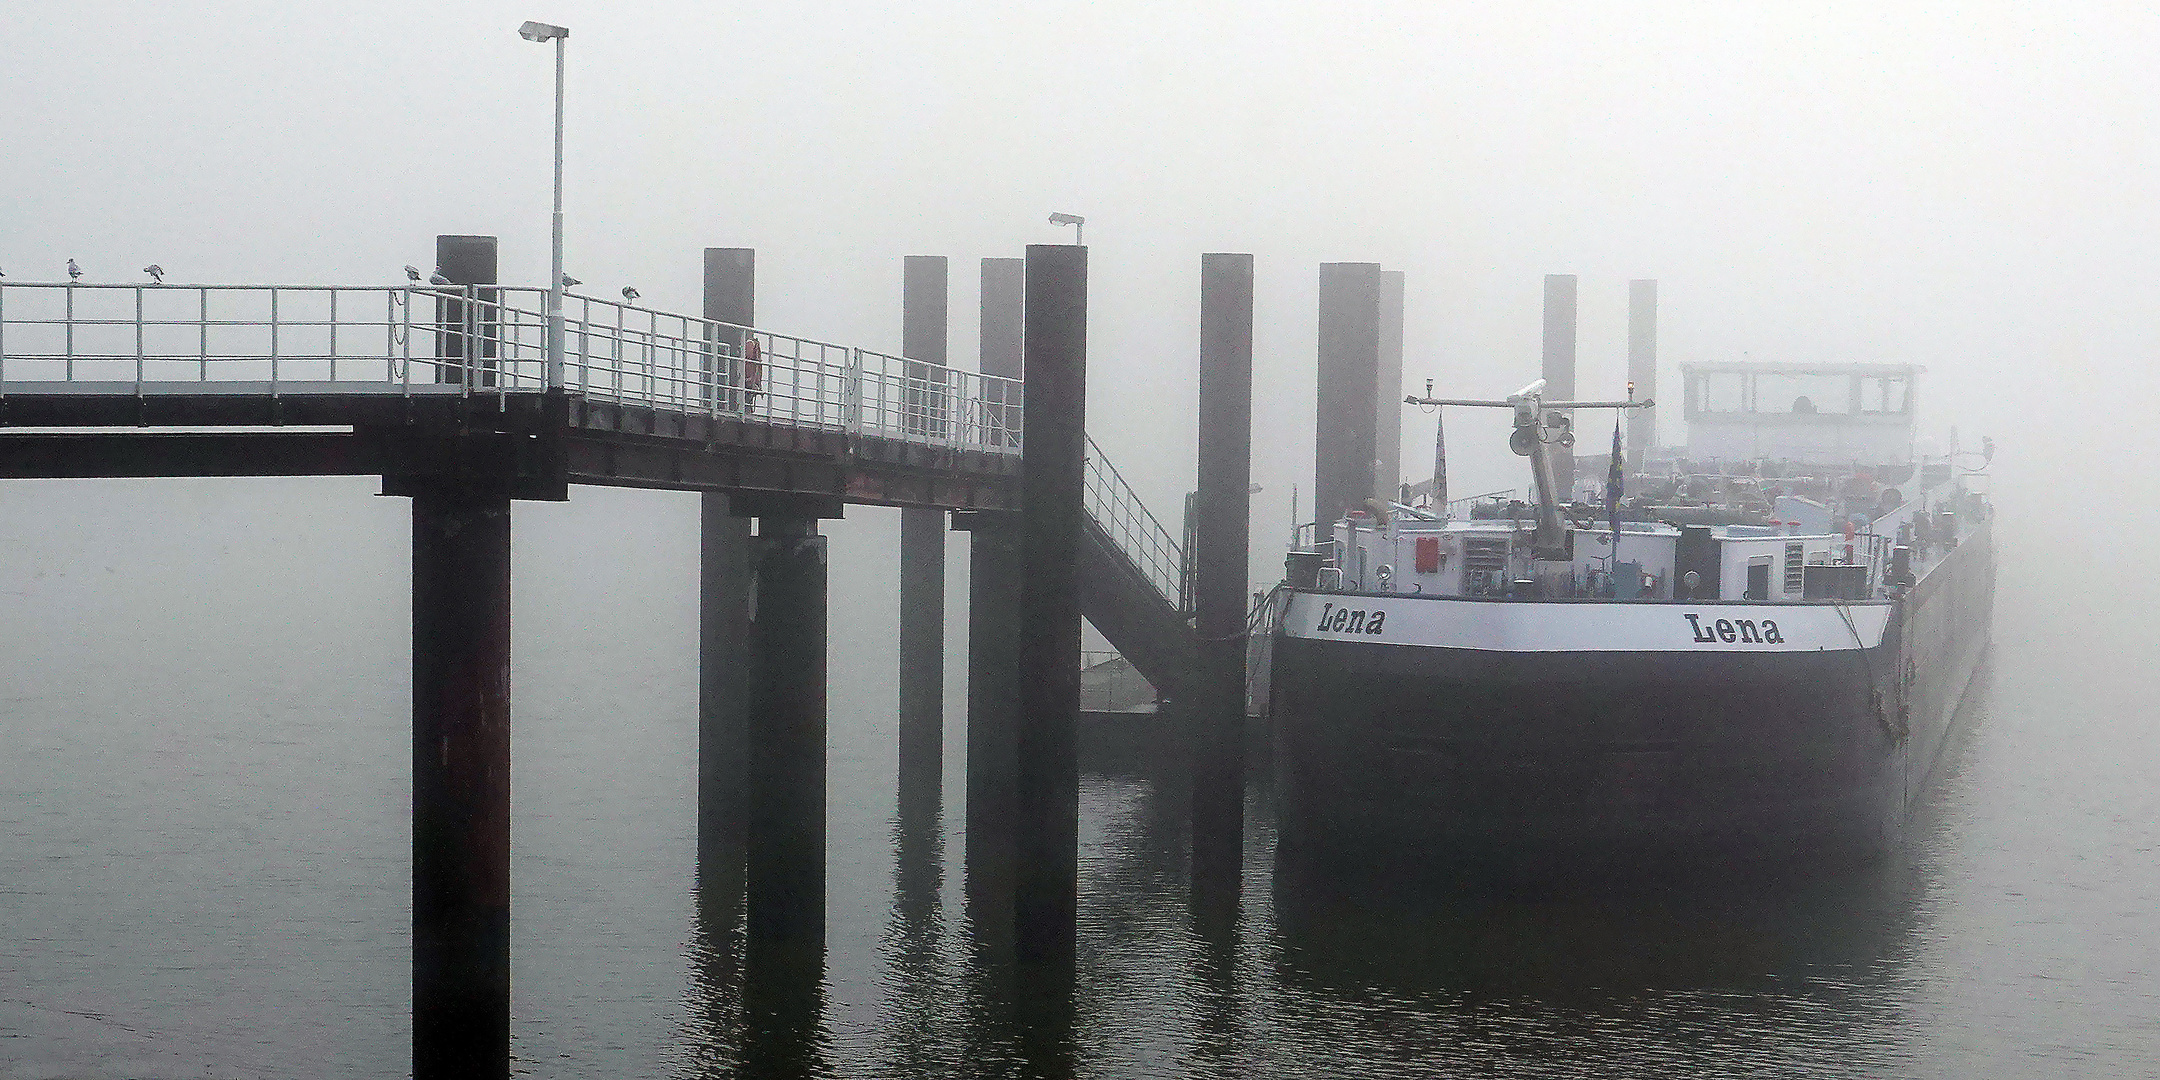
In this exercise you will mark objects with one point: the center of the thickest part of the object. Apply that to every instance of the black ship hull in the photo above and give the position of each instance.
(1410, 755)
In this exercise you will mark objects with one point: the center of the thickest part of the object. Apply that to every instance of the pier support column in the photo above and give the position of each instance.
(784, 952)
(1642, 368)
(786, 841)
(461, 782)
(1222, 533)
(993, 711)
(922, 646)
(723, 642)
(1053, 467)
(1559, 371)
(993, 682)
(1345, 443)
(923, 337)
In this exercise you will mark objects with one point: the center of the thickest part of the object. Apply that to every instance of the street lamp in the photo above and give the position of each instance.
(1078, 223)
(540, 31)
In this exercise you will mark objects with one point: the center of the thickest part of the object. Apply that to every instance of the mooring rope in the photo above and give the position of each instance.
(1895, 728)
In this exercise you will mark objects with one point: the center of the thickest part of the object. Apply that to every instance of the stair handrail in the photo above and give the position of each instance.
(1117, 509)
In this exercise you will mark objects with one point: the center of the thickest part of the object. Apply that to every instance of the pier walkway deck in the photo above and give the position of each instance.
(428, 383)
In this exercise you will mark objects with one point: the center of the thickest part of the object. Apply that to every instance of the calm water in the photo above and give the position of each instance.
(204, 847)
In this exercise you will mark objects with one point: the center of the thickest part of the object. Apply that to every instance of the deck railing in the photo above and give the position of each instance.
(482, 340)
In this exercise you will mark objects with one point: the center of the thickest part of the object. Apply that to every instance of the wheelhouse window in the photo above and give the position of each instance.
(1884, 394)
(1721, 391)
(1803, 392)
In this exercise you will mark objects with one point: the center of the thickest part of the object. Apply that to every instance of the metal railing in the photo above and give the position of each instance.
(1457, 508)
(486, 339)
(1114, 506)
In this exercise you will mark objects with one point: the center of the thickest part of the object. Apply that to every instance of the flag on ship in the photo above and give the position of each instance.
(1615, 481)
(1439, 463)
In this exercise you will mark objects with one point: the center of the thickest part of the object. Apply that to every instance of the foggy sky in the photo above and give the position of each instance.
(1968, 188)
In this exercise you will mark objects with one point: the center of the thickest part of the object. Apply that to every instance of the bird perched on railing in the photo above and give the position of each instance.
(74, 271)
(156, 272)
(437, 278)
(629, 294)
(569, 282)
(412, 274)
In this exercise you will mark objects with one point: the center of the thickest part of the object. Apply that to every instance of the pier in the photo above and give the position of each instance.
(442, 389)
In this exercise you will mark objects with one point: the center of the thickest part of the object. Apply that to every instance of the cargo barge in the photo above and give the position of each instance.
(1757, 656)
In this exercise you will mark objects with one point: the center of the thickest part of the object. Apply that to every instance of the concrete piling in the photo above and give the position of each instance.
(922, 644)
(723, 632)
(993, 684)
(1222, 534)
(923, 338)
(1053, 510)
(1345, 444)
(730, 297)
(993, 709)
(784, 939)
(1004, 284)
(1642, 368)
(461, 782)
(1559, 370)
(786, 828)
(1387, 424)
(465, 338)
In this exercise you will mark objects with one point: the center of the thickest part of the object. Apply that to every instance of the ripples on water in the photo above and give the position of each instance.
(204, 854)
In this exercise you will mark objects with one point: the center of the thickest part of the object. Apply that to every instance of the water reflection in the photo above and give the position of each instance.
(714, 1023)
(1317, 975)
(755, 1005)
(918, 1041)
(1586, 943)
(1017, 1019)
(1799, 969)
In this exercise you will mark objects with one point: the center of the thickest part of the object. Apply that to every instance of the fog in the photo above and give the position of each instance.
(1969, 190)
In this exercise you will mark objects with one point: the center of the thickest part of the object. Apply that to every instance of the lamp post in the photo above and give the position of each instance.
(1078, 223)
(540, 31)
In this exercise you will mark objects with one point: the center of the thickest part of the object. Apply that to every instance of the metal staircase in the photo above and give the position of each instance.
(1130, 568)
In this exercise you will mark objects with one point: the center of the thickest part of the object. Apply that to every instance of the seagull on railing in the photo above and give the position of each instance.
(74, 271)
(412, 274)
(156, 272)
(569, 282)
(629, 294)
(437, 278)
